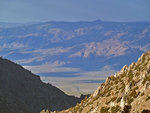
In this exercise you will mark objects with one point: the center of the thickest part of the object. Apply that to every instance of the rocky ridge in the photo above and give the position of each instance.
(128, 91)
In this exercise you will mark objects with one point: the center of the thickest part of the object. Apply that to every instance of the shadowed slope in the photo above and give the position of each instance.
(23, 92)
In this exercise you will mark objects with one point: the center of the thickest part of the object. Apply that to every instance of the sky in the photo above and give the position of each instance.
(22, 11)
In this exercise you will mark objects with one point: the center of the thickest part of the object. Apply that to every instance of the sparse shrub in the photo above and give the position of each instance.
(142, 94)
(147, 78)
(119, 99)
(131, 96)
(113, 99)
(95, 98)
(130, 76)
(144, 66)
(108, 102)
(133, 93)
(137, 68)
(91, 108)
(80, 109)
(137, 73)
(117, 92)
(143, 58)
(129, 100)
(104, 110)
(106, 92)
(126, 109)
(145, 111)
(136, 88)
(116, 80)
(123, 75)
(122, 87)
(144, 81)
(117, 87)
(115, 109)
(148, 98)
(130, 73)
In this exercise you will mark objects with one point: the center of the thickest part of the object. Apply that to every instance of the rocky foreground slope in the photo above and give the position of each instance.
(23, 92)
(128, 91)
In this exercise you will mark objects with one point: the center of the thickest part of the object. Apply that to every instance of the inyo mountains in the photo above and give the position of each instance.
(76, 46)
(74, 49)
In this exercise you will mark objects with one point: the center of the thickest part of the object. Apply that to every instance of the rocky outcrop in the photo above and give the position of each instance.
(23, 92)
(128, 91)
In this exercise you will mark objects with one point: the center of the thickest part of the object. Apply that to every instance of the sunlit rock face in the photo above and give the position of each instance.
(128, 92)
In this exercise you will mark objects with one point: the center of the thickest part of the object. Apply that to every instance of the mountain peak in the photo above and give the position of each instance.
(125, 92)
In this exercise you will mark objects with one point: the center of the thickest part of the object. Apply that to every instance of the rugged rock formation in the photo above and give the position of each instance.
(23, 92)
(128, 91)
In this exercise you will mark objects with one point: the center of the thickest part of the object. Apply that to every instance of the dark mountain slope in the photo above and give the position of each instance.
(23, 92)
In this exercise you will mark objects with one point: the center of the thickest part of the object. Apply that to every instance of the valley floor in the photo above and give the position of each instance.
(78, 85)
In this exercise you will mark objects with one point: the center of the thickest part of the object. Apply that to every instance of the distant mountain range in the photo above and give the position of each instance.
(75, 48)
(11, 25)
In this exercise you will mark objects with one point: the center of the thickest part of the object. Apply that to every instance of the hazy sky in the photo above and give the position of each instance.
(74, 10)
